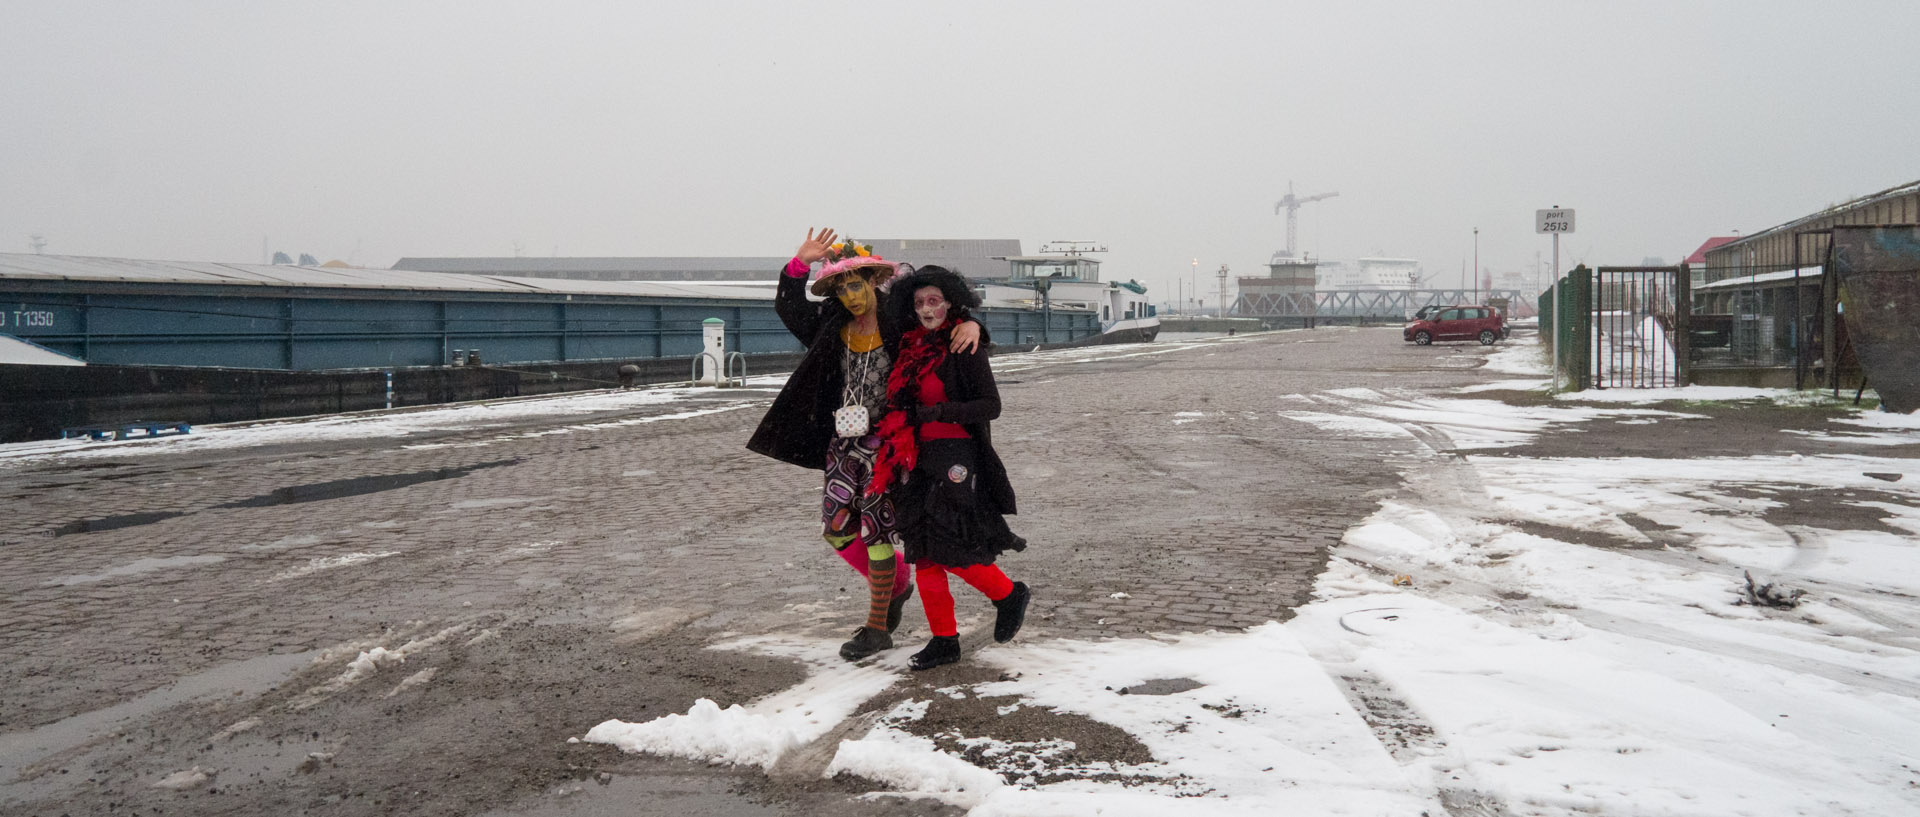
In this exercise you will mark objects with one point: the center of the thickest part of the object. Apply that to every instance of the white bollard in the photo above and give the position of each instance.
(713, 353)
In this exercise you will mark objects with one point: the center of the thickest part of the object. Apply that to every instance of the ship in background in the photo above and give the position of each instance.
(1064, 275)
(1373, 273)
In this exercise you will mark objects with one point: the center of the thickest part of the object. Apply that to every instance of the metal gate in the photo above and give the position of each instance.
(1639, 327)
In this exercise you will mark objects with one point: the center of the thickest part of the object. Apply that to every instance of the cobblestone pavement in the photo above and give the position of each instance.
(591, 558)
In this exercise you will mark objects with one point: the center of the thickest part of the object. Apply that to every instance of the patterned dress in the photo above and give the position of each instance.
(845, 510)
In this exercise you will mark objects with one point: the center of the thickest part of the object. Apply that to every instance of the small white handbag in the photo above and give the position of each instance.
(850, 421)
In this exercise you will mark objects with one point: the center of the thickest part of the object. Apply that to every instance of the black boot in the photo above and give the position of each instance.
(943, 649)
(866, 641)
(896, 607)
(1013, 613)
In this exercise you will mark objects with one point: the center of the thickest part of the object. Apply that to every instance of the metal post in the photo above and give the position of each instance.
(1046, 315)
(1829, 321)
(1193, 285)
(1683, 326)
(1223, 291)
(1793, 332)
(1556, 312)
(1476, 265)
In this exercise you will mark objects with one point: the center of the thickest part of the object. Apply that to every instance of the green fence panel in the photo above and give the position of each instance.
(1575, 330)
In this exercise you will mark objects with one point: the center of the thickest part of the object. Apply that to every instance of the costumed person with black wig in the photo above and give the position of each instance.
(937, 459)
(823, 417)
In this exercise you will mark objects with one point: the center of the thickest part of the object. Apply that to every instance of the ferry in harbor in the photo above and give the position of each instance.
(1065, 275)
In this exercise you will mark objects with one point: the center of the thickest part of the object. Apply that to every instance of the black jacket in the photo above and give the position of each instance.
(798, 426)
(973, 401)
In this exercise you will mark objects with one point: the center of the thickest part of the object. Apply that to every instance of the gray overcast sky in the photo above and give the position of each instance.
(370, 131)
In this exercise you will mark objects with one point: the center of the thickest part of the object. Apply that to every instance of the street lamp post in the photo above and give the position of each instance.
(1223, 290)
(1476, 265)
(1192, 276)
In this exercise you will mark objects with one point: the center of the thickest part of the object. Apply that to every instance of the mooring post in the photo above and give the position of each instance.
(713, 353)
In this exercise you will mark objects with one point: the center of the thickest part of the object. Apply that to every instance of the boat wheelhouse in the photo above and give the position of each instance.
(1068, 278)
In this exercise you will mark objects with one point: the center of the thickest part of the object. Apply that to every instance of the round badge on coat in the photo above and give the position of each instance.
(957, 473)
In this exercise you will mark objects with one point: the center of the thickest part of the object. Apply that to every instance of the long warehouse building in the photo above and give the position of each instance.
(280, 335)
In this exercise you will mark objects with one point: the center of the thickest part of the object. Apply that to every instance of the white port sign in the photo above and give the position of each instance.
(1553, 221)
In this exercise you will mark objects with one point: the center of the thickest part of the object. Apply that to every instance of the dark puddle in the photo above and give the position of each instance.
(357, 486)
(1162, 686)
(112, 522)
(335, 489)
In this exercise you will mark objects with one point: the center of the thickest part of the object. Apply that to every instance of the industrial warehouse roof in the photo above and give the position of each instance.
(24, 267)
(1804, 274)
(764, 266)
(607, 269)
(978, 257)
(1863, 201)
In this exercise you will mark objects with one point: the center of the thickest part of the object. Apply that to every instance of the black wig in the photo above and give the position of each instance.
(961, 298)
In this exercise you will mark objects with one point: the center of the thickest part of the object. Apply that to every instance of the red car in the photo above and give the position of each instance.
(1479, 323)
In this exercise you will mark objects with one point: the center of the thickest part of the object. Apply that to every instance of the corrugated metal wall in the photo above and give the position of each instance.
(199, 325)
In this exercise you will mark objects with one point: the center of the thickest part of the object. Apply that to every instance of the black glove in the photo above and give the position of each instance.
(920, 414)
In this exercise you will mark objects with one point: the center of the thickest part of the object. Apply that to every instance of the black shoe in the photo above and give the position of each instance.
(866, 641)
(896, 607)
(1013, 613)
(943, 649)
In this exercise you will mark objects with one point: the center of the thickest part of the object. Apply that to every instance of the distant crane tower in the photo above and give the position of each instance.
(1292, 204)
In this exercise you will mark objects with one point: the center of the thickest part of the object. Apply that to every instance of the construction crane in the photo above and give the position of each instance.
(1292, 205)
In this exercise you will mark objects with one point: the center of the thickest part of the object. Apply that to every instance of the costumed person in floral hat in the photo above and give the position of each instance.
(937, 460)
(823, 417)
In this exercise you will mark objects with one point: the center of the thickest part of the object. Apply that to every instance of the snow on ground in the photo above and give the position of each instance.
(1518, 356)
(1461, 657)
(1468, 424)
(1702, 394)
(406, 422)
(1526, 356)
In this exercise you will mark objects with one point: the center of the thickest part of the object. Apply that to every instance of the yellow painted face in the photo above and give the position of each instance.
(856, 294)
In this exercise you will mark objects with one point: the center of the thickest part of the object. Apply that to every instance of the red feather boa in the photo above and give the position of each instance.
(921, 351)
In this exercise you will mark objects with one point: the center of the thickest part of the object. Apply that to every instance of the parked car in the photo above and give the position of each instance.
(1462, 322)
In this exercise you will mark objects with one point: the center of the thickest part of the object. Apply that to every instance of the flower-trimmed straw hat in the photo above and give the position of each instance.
(846, 257)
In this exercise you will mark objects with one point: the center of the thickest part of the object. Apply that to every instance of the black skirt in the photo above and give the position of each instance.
(941, 516)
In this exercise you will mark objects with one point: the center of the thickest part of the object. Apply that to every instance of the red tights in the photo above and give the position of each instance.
(938, 600)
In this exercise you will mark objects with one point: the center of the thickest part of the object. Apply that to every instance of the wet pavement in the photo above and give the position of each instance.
(184, 632)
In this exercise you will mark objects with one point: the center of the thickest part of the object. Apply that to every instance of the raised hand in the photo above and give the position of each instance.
(814, 249)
